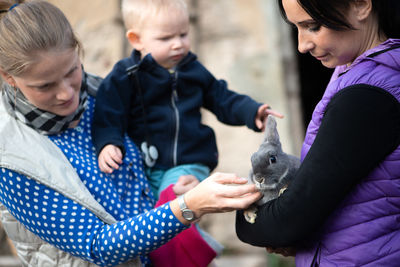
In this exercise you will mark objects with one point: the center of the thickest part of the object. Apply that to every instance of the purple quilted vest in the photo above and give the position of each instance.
(365, 228)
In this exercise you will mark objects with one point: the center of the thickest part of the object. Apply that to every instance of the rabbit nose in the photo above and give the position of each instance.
(260, 180)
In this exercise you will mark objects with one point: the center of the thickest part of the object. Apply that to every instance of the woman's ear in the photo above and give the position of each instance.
(362, 8)
(134, 40)
(8, 78)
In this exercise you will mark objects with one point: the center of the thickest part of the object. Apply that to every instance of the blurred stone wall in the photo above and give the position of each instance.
(99, 26)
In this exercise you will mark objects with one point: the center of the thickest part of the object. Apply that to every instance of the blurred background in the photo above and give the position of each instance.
(246, 43)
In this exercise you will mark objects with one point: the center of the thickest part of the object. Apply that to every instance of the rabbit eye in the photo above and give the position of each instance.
(272, 159)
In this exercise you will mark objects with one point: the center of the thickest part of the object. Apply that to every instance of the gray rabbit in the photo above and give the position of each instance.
(272, 169)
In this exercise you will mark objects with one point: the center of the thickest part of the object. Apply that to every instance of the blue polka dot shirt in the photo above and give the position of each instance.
(125, 194)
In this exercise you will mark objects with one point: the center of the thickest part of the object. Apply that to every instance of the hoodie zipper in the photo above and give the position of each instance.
(174, 99)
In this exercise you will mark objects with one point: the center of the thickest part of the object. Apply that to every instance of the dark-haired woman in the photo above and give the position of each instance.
(343, 208)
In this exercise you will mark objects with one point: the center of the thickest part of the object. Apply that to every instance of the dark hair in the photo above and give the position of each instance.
(330, 13)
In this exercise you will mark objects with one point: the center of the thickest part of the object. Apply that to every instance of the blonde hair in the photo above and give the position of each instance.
(29, 28)
(136, 12)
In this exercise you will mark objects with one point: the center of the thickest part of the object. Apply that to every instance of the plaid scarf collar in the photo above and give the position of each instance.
(42, 121)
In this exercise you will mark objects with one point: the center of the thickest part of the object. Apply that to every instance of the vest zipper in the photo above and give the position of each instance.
(317, 257)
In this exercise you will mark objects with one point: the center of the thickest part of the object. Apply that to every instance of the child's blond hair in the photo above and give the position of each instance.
(136, 12)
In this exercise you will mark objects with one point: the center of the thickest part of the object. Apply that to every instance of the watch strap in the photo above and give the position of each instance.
(187, 214)
(181, 202)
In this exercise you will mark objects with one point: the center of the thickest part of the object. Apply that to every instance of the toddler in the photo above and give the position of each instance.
(156, 94)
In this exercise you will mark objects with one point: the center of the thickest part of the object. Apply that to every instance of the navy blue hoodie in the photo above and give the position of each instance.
(172, 103)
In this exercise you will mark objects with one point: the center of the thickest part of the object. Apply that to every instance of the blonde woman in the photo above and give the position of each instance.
(56, 205)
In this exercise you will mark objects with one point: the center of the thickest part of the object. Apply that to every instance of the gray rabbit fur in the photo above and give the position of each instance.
(272, 169)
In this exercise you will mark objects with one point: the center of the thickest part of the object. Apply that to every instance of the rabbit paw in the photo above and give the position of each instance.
(250, 214)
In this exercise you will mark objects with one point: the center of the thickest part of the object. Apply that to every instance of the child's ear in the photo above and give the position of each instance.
(134, 40)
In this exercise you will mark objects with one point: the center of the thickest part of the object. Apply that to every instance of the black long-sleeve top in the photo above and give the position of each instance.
(360, 127)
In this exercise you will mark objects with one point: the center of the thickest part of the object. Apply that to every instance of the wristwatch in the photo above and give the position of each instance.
(187, 214)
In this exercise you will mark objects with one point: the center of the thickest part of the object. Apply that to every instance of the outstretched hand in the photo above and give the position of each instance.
(263, 112)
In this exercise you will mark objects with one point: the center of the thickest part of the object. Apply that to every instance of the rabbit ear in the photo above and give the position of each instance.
(271, 132)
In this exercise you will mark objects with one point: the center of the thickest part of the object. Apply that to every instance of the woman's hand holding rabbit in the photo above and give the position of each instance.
(226, 192)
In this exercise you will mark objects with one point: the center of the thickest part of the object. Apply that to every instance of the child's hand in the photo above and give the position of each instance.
(262, 114)
(184, 184)
(109, 158)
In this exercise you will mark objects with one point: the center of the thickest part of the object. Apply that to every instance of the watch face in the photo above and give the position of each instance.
(188, 215)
